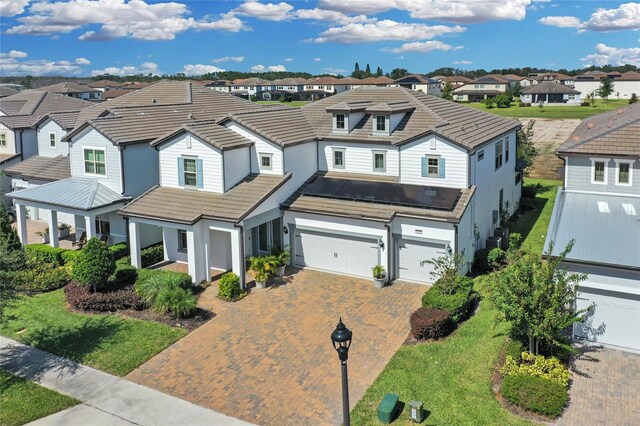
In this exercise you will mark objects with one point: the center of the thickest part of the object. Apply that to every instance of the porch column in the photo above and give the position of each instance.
(195, 254)
(53, 228)
(90, 225)
(21, 220)
(134, 244)
(237, 256)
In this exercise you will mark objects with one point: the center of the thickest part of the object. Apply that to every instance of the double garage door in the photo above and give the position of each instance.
(614, 320)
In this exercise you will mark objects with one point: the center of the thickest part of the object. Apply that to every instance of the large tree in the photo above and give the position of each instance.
(525, 148)
(397, 73)
(12, 260)
(447, 91)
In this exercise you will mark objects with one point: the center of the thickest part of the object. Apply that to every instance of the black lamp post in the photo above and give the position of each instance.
(341, 338)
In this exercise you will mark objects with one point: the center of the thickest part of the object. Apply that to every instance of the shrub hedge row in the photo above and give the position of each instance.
(535, 394)
(457, 303)
(430, 323)
(82, 298)
(45, 254)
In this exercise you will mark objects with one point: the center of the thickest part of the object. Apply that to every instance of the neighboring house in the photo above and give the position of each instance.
(18, 136)
(370, 176)
(282, 89)
(599, 207)
(550, 93)
(420, 84)
(105, 85)
(247, 87)
(624, 85)
(488, 86)
(111, 160)
(321, 87)
(73, 90)
(554, 77)
(220, 85)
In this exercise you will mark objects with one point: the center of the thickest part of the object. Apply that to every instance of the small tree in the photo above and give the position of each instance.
(606, 88)
(445, 271)
(94, 265)
(537, 297)
(489, 102)
(633, 99)
(525, 148)
(504, 100)
(7, 232)
(447, 91)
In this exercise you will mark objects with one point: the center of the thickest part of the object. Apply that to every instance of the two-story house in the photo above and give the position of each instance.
(420, 84)
(371, 176)
(599, 207)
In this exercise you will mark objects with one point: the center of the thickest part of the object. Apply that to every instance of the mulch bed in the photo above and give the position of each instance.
(200, 317)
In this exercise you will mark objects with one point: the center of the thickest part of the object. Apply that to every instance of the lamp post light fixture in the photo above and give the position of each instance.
(341, 338)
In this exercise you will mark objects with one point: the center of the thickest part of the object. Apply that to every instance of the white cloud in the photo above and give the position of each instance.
(265, 11)
(561, 21)
(9, 8)
(383, 31)
(317, 59)
(228, 59)
(13, 66)
(262, 68)
(117, 18)
(329, 15)
(463, 62)
(82, 61)
(334, 71)
(625, 17)
(191, 70)
(424, 47)
(15, 54)
(144, 68)
(460, 11)
(288, 59)
(608, 55)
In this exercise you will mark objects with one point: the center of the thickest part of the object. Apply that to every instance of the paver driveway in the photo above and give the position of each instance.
(268, 359)
(605, 389)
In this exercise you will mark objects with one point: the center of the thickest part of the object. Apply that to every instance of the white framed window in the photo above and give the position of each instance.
(338, 158)
(624, 173)
(3, 139)
(506, 150)
(497, 86)
(190, 171)
(379, 161)
(433, 166)
(182, 240)
(481, 155)
(571, 97)
(95, 162)
(266, 161)
(52, 139)
(102, 226)
(599, 171)
(381, 123)
(498, 163)
(340, 121)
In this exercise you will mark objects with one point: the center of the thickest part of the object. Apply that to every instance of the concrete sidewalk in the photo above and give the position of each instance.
(106, 399)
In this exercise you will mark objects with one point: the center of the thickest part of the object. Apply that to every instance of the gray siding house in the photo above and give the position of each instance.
(599, 207)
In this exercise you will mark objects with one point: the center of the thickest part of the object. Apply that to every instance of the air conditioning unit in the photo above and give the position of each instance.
(503, 233)
(494, 242)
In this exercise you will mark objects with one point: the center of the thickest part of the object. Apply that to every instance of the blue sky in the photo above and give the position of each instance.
(88, 37)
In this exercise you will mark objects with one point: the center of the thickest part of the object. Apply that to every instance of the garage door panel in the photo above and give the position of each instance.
(412, 257)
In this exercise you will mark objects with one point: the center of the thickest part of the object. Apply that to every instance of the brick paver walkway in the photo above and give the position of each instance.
(605, 389)
(268, 359)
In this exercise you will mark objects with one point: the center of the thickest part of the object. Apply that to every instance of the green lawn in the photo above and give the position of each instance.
(533, 224)
(292, 104)
(22, 401)
(534, 111)
(109, 343)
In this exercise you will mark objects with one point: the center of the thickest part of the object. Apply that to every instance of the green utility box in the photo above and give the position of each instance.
(388, 407)
(416, 411)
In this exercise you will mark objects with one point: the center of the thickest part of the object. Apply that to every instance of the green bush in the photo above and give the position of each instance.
(537, 366)
(94, 265)
(124, 275)
(175, 300)
(42, 277)
(514, 350)
(70, 256)
(481, 261)
(45, 254)
(145, 274)
(496, 258)
(120, 250)
(457, 303)
(166, 291)
(152, 255)
(535, 394)
(124, 261)
(229, 287)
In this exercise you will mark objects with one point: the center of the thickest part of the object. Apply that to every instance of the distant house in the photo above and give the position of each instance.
(488, 86)
(624, 85)
(550, 93)
(420, 83)
(105, 85)
(73, 90)
(554, 77)
(599, 207)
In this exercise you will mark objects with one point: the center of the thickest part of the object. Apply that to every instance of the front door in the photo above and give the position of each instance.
(267, 236)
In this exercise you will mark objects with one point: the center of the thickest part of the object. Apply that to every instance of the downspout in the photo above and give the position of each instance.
(242, 266)
(21, 147)
(317, 155)
(122, 148)
(389, 249)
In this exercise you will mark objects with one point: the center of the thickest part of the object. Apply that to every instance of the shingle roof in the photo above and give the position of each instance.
(415, 78)
(548, 87)
(282, 126)
(189, 206)
(75, 193)
(615, 132)
(468, 127)
(7, 91)
(629, 76)
(42, 168)
(105, 83)
(38, 103)
(368, 210)
(67, 87)
(605, 227)
(211, 133)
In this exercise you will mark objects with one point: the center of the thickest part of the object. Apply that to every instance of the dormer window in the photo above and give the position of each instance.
(340, 121)
(381, 123)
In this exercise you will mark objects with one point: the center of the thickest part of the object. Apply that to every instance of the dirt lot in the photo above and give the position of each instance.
(548, 135)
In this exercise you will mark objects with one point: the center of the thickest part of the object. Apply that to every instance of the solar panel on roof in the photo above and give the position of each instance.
(383, 193)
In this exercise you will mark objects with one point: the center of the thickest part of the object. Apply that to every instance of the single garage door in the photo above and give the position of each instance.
(342, 254)
(412, 255)
(614, 319)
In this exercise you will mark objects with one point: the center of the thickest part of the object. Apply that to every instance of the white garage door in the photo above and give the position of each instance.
(614, 320)
(336, 253)
(411, 259)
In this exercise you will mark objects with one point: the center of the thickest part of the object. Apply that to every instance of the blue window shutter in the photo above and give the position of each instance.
(180, 171)
(441, 168)
(424, 166)
(199, 172)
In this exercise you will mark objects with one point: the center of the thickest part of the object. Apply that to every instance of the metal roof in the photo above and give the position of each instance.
(606, 228)
(75, 193)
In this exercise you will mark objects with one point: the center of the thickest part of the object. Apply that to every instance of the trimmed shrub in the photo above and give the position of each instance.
(175, 300)
(81, 298)
(145, 274)
(151, 255)
(45, 254)
(41, 277)
(70, 256)
(524, 104)
(537, 366)
(514, 350)
(430, 323)
(456, 303)
(496, 258)
(535, 394)
(125, 275)
(481, 260)
(229, 287)
(118, 251)
(124, 261)
(166, 291)
(94, 265)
